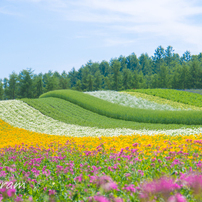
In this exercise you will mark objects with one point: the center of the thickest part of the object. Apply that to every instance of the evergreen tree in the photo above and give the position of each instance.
(25, 84)
(195, 74)
(133, 62)
(104, 68)
(135, 80)
(38, 84)
(163, 77)
(169, 53)
(186, 57)
(84, 81)
(98, 80)
(90, 81)
(158, 58)
(12, 86)
(116, 74)
(64, 81)
(78, 85)
(145, 64)
(108, 82)
(73, 74)
(1, 90)
(127, 78)
(5, 87)
(123, 62)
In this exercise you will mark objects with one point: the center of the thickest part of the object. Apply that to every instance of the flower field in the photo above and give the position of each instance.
(174, 95)
(130, 101)
(122, 168)
(116, 111)
(45, 158)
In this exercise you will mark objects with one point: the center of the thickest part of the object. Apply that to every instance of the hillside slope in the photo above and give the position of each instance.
(70, 113)
(174, 95)
(116, 111)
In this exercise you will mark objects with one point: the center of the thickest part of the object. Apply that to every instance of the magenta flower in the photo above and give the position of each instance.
(193, 181)
(109, 186)
(11, 192)
(130, 188)
(101, 199)
(177, 198)
(52, 192)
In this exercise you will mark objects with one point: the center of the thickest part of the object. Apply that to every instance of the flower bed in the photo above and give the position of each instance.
(121, 168)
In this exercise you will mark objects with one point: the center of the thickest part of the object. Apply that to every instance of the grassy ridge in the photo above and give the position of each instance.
(174, 95)
(163, 101)
(116, 111)
(70, 113)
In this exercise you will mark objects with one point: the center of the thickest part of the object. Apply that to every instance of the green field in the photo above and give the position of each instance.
(68, 112)
(174, 95)
(116, 111)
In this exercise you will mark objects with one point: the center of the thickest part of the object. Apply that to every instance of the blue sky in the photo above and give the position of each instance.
(58, 35)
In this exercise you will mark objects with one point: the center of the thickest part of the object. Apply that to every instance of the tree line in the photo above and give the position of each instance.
(165, 69)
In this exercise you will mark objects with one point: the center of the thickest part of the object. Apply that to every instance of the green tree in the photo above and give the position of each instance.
(78, 85)
(135, 80)
(108, 82)
(11, 90)
(64, 81)
(38, 85)
(158, 58)
(90, 81)
(195, 74)
(145, 64)
(104, 68)
(51, 81)
(186, 57)
(116, 74)
(163, 77)
(142, 81)
(98, 80)
(5, 87)
(154, 81)
(133, 62)
(123, 62)
(73, 76)
(169, 53)
(1, 90)
(127, 78)
(84, 81)
(25, 84)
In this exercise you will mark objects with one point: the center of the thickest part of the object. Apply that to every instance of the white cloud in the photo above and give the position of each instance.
(165, 18)
(168, 18)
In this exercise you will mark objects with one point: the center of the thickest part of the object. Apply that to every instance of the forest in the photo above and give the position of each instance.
(165, 69)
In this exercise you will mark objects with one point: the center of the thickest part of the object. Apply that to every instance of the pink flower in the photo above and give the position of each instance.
(130, 188)
(18, 199)
(118, 200)
(177, 198)
(101, 199)
(52, 192)
(109, 186)
(30, 199)
(11, 192)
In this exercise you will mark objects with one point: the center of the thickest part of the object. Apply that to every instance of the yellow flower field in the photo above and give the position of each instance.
(11, 136)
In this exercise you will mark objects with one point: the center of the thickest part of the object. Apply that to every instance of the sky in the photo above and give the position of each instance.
(58, 35)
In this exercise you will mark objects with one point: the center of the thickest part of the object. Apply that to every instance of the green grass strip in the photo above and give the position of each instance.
(70, 113)
(174, 95)
(116, 111)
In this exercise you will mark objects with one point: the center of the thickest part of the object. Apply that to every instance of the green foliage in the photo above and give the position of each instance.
(70, 113)
(116, 111)
(174, 95)
(26, 87)
(165, 69)
(1, 90)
